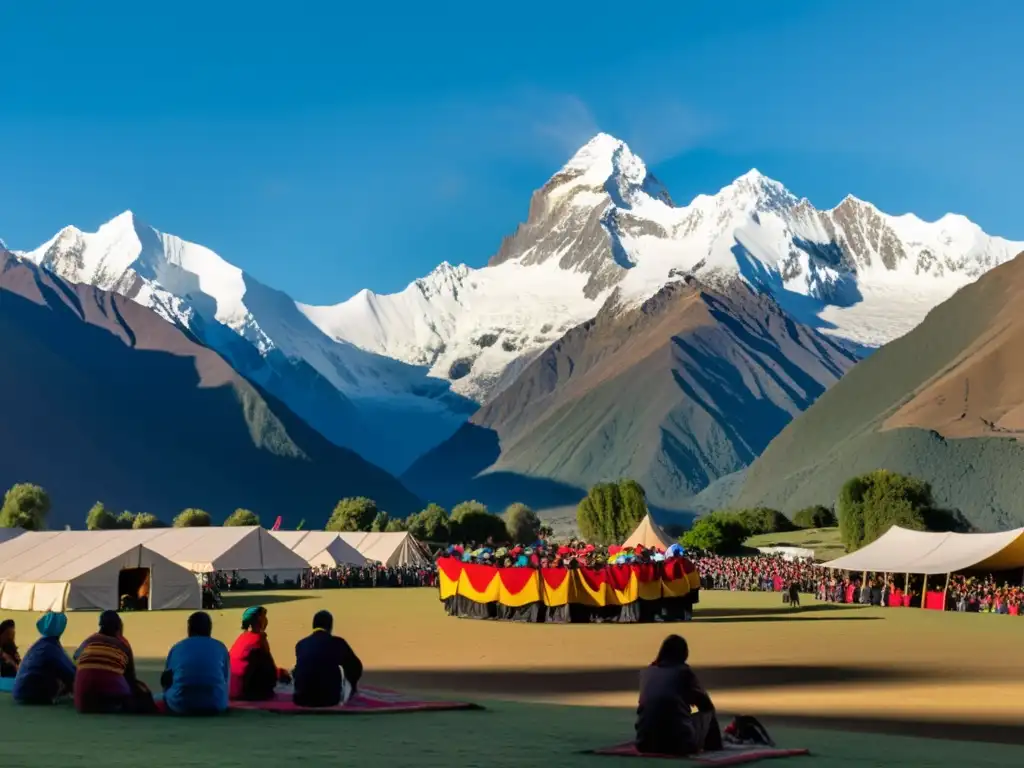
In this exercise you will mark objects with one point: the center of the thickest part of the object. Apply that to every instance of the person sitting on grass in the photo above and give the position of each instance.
(46, 673)
(105, 682)
(9, 658)
(197, 670)
(253, 671)
(675, 715)
(325, 666)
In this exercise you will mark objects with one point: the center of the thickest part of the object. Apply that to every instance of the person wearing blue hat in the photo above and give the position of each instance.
(46, 673)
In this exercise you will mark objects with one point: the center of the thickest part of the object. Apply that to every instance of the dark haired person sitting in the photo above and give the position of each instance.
(253, 671)
(10, 660)
(675, 715)
(195, 679)
(324, 666)
(105, 681)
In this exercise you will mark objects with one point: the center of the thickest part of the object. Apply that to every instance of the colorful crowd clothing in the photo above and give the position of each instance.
(196, 676)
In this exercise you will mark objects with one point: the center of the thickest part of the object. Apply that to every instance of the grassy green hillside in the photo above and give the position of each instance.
(824, 541)
(839, 436)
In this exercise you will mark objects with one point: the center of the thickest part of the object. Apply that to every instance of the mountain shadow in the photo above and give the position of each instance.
(105, 400)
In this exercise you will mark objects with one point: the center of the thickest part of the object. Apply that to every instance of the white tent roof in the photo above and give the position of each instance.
(320, 547)
(204, 550)
(72, 570)
(399, 548)
(900, 550)
(649, 534)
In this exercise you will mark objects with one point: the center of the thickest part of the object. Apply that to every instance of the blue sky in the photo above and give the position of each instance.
(359, 145)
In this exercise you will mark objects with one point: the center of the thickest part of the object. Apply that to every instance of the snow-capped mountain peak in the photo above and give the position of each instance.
(601, 227)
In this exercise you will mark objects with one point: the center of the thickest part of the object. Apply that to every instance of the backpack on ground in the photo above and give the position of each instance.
(747, 730)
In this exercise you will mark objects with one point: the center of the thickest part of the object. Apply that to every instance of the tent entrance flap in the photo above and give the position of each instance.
(133, 588)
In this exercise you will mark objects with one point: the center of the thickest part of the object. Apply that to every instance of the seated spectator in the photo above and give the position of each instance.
(325, 666)
(9, 658)
(254, 674)
(675, 715)
(105, 682)
(46, 673)
(197, 670)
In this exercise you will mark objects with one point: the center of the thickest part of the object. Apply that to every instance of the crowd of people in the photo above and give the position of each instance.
(757, 573)
(572, 554)
(356, 576)
(201, 676)
(985, 595)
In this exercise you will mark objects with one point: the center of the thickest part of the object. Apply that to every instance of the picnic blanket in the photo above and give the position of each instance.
(369, 701)
(730, 755)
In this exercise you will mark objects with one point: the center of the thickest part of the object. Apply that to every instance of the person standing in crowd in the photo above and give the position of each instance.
(327, 670)
(46, 673)
(197, 671)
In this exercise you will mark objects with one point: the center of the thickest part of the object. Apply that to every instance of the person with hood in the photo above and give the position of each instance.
(253, 671)
(46, 673)
(10, 659)
(197, 671)
(106, 682)
(327, 670)
(675, 715)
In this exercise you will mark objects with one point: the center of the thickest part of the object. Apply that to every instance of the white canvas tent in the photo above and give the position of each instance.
(82, 570)
(395, 549)
(250, 550)
(900, 550)
(320, 548)
(649, 534)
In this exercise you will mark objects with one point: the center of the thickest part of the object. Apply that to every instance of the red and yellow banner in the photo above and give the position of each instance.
(599, 587)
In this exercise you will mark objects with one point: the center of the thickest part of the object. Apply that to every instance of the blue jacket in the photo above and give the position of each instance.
(198, 668)
(44, 669)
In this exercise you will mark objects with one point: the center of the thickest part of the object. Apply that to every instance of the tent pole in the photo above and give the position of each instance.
(945, 592)
(924, 590)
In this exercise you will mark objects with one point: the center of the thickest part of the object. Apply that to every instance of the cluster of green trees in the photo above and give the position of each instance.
(870, 504)
(726, 530)
(610, 512)
(27, 506)
(468, 521)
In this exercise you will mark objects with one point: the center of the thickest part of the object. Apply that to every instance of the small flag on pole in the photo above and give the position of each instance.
(277, 524)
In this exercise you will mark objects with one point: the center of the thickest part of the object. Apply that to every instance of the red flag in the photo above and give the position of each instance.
(277, 524)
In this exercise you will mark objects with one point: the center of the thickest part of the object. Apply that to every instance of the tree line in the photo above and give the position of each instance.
(867, 506)
(27, 506)
(469, 521)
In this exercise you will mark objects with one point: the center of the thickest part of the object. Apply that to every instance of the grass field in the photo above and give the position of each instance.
(818, 677)
(824, 541)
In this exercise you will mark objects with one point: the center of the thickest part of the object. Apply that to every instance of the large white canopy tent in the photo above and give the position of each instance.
(82, 570)
(900, 550)
(394, 549)
(649, 534)
(250, 550)
(320, 548)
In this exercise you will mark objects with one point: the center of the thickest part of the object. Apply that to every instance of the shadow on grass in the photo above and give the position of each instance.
(245, 599)
(623, 679)
(781, 610)
(992, 732)
(791, 617)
